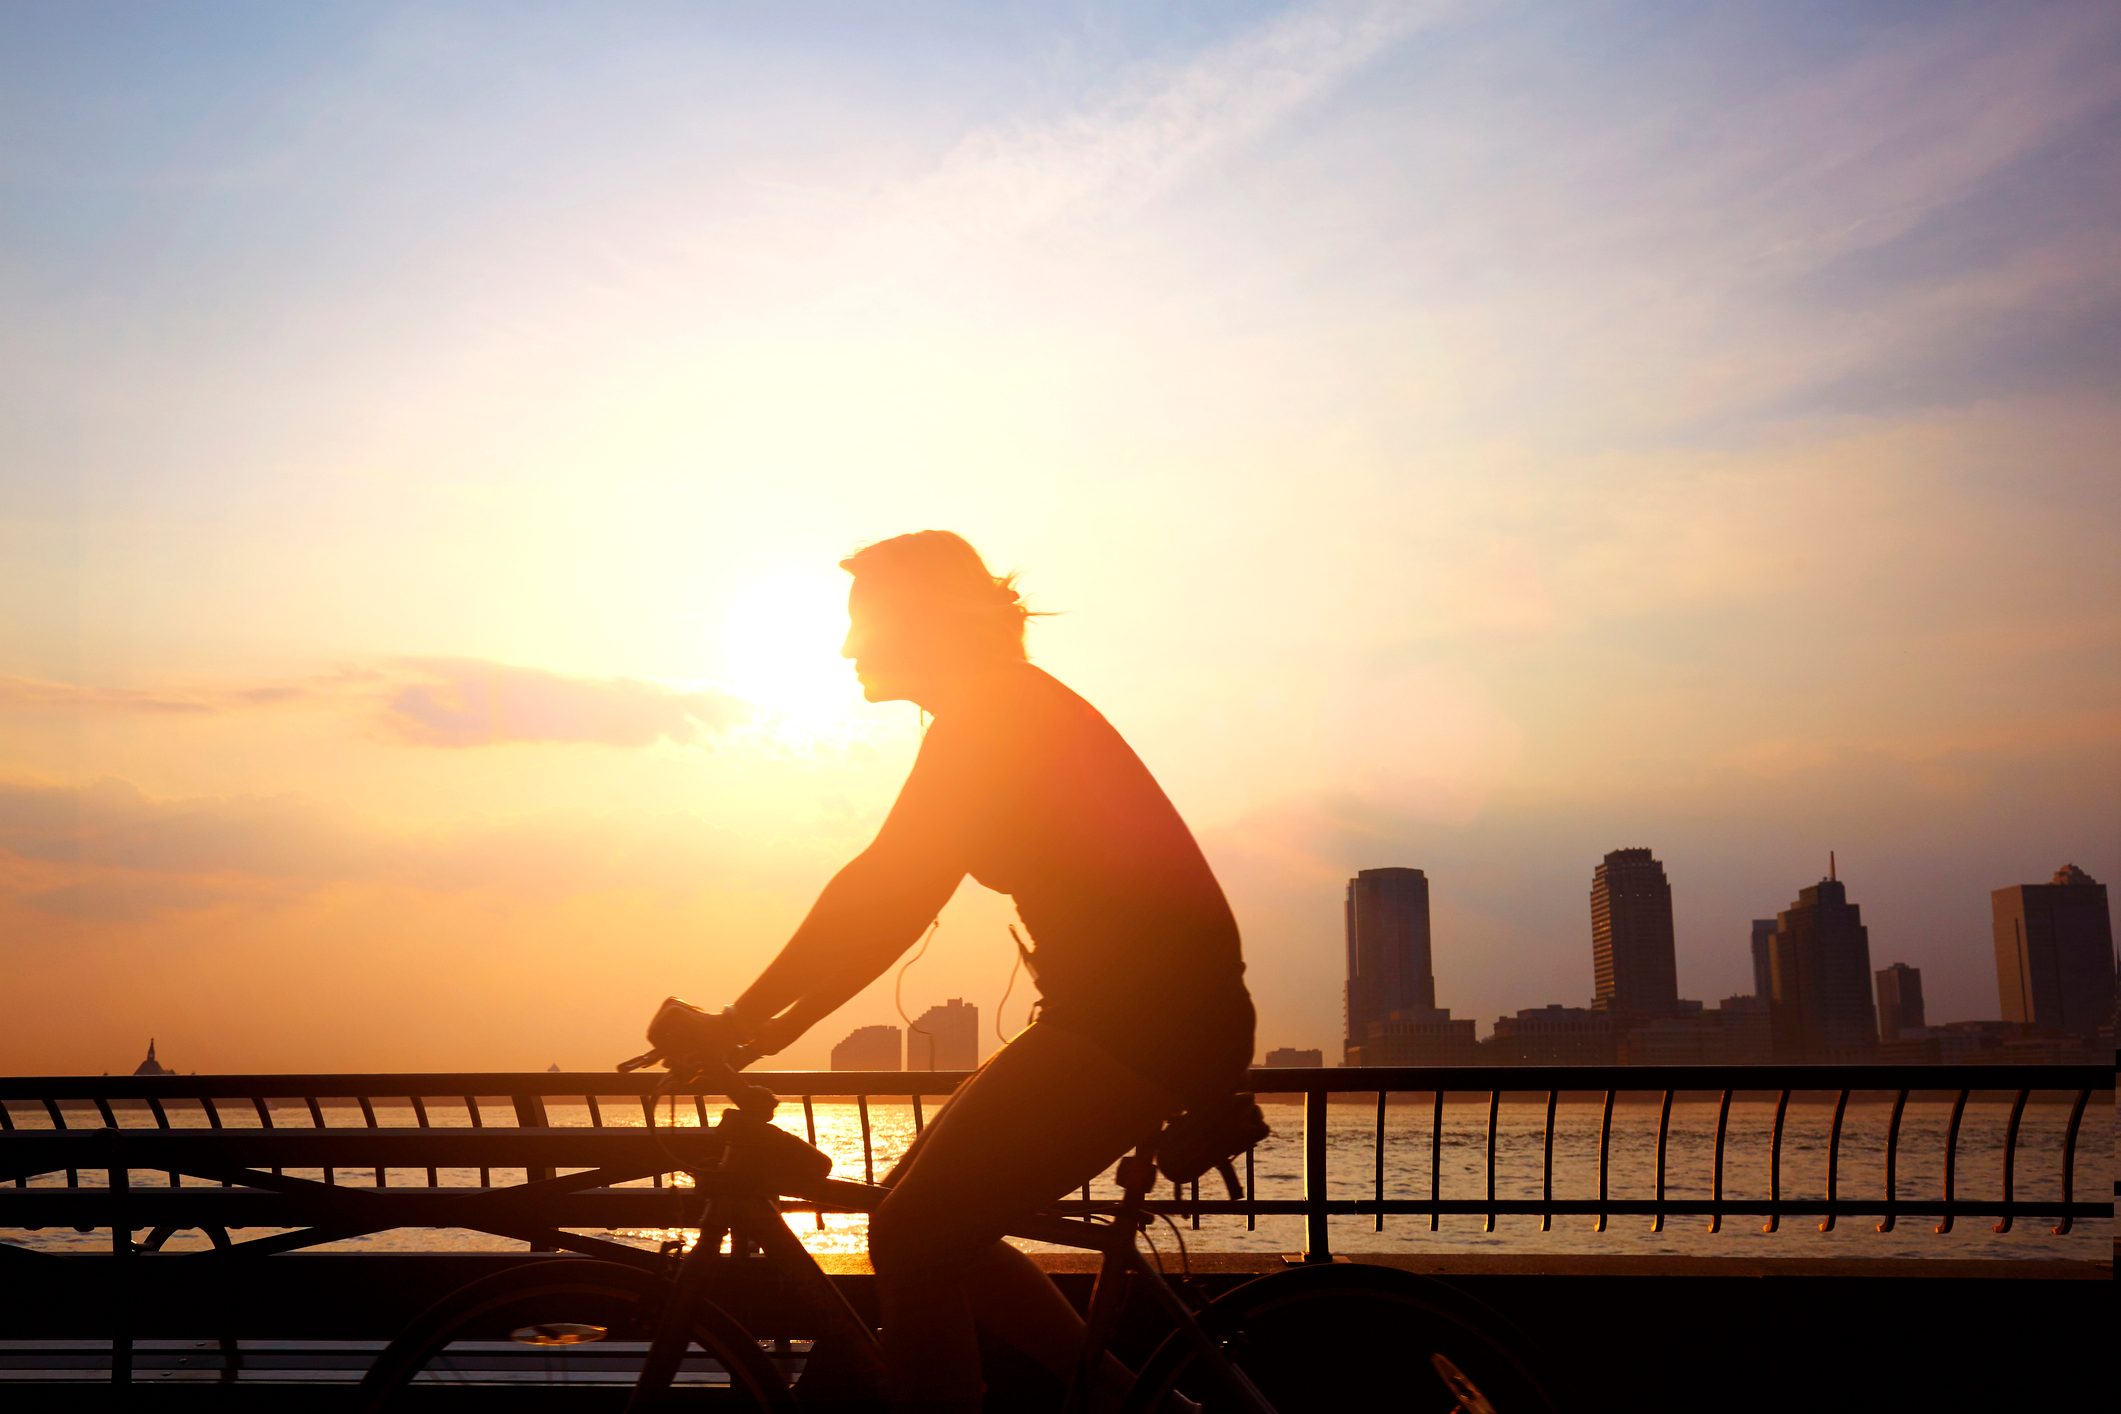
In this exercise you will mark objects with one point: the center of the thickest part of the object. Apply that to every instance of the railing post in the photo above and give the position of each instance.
(1318, 1245)
(530, 1114)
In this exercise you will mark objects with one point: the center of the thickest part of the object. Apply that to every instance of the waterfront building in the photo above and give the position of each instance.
(868, 1048)
(1734, 1033)
(1631, 936)
(1682, 1038)
(1390, 968)
(1819, 963)
(1763, 930)
(1282, 1057)
(1990, 1043)
(1416, 1036)
(1899, 1000)
(1748, 1035)
(1555, 1035)
(2055, 953)
(945, 1038)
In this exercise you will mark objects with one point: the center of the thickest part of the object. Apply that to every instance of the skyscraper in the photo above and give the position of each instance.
(1819, 965)
(1631, 936)
(1899, 1000)
(945, 1038)
(2055, 952)
(1763, 929)
(1389, 964)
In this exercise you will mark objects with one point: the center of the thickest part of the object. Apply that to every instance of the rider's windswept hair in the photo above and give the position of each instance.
(940, 581)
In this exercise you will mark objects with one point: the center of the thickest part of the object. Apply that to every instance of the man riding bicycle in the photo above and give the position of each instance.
(1023, 785)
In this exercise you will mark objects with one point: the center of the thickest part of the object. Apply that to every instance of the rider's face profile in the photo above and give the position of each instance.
(881, 644)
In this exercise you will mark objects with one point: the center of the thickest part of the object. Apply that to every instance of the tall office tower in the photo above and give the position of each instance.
(1631, 936)
(2055, 952)
(1389, 966)
(867, 1048)
(945, 1038)
(1819, 969)
(1763, 929)
(1899, 1000)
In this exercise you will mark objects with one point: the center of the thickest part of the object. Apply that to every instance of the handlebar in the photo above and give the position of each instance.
(701, 1048)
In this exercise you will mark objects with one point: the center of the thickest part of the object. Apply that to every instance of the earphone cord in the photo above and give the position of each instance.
(898, 983)
(1007, 988)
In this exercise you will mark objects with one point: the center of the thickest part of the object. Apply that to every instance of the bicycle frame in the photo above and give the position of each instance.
(736, 1207)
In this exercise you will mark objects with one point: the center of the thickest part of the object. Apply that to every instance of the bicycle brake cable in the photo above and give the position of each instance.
(1185, 1261)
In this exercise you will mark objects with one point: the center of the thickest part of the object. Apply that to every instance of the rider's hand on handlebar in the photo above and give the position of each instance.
(704, 1048)
(693, 1040)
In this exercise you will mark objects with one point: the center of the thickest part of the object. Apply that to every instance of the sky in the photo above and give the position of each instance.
(1466, 436)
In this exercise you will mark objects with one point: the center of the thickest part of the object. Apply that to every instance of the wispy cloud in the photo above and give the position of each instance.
(112, 824)
(108, 851)
(1131, 144)
(452, 702)
(468, 702)
(172, 700)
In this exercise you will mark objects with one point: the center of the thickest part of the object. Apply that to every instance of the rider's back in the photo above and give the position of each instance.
(1136, 945)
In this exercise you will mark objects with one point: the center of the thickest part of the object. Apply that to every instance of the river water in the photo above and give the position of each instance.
(1351, 1152)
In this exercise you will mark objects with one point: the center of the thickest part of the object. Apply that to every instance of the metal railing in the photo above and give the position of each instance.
(107, 1118)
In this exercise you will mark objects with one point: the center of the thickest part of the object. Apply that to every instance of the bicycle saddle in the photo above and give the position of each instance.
(1209, 1137)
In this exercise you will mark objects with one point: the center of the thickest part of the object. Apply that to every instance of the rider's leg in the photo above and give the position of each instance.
(1019, 1305)
(1044, 1116)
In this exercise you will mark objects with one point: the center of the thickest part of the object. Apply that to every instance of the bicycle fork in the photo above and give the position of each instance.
(853, 1350)
(673, 1326)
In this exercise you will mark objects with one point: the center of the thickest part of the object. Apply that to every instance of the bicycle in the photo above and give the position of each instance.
(653, 1335)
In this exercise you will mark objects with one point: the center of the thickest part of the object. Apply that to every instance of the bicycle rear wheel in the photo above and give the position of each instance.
(1318, 1340)
(565, 1335)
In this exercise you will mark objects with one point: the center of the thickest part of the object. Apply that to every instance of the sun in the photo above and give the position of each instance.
(782, 639)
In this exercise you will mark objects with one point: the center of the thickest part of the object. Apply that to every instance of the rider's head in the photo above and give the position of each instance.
(924, 608)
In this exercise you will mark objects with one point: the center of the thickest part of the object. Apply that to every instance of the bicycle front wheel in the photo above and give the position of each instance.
(1318, 1340)
(566, 1335)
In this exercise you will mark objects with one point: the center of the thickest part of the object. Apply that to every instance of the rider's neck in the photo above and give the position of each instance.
(958, 689)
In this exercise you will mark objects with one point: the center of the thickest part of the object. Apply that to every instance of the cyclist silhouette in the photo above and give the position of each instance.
(1023, 785)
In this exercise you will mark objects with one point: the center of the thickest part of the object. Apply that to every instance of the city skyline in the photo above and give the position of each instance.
(1422, 992)
(1816, 996)
(866, 1042)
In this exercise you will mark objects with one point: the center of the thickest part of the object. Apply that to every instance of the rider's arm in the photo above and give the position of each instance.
(877, 905)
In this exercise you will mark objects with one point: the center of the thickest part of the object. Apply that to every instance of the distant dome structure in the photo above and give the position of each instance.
(151, 1066)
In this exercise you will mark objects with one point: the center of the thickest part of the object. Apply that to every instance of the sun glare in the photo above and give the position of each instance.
(782, 654)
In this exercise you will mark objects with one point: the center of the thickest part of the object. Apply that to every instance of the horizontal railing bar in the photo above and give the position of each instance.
(1352, 1080)
(55, 1207)
(1591, 1207)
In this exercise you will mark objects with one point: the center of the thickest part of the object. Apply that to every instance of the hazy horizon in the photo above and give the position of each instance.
(1463, 436)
